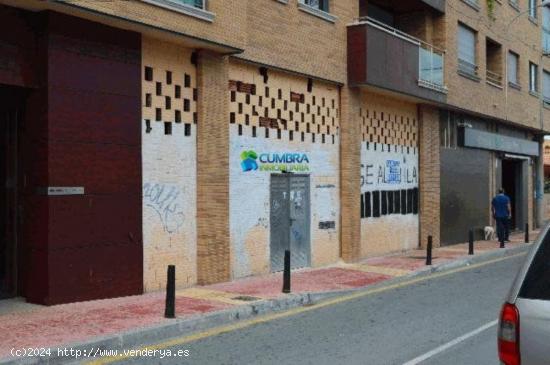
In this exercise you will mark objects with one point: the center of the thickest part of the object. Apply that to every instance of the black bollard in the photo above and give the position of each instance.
(286, 273)
(526, 232)
(429, 251)
(471, 242)
(170, 310)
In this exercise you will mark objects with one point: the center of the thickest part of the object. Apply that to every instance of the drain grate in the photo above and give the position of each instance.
(246, 298)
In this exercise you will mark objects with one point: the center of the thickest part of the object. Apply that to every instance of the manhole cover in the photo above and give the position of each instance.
(246, 298)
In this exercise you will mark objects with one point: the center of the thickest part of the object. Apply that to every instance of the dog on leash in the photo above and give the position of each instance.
(489, 233)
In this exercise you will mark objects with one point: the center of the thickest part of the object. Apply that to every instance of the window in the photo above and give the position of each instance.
(533, 9)
(194, 8)
(546, 86)
(546, 29)
(467, 50)
(448, 129)
(533, 77)
(318, 4)
(513, 62)
(318, 8)
(493, 51)
(196, 3)
(536, 284)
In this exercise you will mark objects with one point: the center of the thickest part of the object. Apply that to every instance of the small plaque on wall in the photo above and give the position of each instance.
(62, 190)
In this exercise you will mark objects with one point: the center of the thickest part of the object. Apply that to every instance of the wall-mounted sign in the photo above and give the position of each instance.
(274, 161)
(496, 142)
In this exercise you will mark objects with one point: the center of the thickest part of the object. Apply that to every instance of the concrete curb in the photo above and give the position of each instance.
(189, 325)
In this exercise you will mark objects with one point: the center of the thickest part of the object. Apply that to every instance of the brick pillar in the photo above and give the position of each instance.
(350, 174)
(429, 166)
(213, 255)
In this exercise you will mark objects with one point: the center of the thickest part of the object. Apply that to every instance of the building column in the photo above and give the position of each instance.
(429, 166)
(350, 174)
(213, 251)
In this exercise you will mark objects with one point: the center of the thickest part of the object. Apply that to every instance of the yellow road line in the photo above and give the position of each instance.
(270, 317)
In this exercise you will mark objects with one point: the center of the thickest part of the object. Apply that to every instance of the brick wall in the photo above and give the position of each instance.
(350, 173)
(213, 253)
(169, 133)
(429, 174)
(269, 31)
(522, 36)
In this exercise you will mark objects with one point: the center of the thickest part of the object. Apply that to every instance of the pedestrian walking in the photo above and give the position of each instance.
(502, 213)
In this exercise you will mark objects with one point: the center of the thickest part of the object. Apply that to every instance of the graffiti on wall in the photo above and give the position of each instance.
(164, 199)
(389, 183)
(389, 171)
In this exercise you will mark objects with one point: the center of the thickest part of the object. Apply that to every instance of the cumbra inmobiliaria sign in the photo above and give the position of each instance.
(274, 161)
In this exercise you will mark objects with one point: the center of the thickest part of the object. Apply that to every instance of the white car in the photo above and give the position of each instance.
(524, 326)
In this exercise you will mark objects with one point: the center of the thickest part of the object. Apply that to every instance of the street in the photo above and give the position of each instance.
(402, 325)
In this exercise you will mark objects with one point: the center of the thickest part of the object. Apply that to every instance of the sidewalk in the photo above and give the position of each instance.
(29, 326)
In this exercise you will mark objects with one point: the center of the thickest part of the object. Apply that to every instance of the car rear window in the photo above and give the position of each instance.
(537, 281)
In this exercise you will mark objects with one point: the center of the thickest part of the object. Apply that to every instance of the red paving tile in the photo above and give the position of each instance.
(68, 323)
(77, 322)
(304, 281)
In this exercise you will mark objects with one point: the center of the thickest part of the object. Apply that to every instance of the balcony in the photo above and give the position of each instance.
(382, 56)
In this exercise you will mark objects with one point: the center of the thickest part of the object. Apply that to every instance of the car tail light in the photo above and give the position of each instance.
(508, 335)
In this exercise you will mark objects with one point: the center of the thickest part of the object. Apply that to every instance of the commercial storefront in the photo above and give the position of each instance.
(284, 170)
(389, 175)
(478, 157)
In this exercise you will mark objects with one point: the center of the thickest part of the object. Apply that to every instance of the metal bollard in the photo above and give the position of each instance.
(429, 251)
(526, 232)
(286, 273)
(471, 242)
(170, 310)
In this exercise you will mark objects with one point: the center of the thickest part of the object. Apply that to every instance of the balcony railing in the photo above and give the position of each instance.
(431, 60)
(467, 68)
(431, 68)
(494, 78)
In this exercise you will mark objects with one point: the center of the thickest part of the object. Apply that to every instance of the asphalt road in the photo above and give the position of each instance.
(390, 327)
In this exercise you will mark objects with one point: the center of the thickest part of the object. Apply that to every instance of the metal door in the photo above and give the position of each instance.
(290, 220)
(299, 221)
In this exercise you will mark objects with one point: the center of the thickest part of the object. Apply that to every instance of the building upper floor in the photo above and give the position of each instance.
(486, 57)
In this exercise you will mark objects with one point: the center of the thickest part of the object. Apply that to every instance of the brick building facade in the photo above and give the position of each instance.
(213, 135)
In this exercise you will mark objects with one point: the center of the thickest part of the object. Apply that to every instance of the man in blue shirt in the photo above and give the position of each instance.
(502, 212)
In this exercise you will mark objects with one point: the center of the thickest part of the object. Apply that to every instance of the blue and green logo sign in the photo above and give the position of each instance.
(248, 161)
(274, 162)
